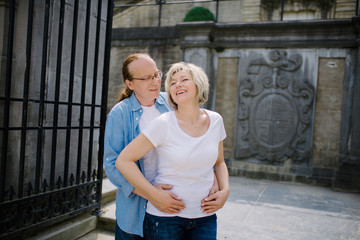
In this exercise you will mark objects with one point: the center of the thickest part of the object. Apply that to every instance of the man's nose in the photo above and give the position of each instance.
(155, 81)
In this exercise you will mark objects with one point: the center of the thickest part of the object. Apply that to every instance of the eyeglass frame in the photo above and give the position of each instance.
(158, 73)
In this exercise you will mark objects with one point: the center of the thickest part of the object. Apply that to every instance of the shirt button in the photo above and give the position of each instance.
(140, 110)
(137, 118)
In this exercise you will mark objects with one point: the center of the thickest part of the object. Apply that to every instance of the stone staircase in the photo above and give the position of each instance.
(105, 227)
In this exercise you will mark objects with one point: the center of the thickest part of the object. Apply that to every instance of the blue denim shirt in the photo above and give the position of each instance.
(122, 126)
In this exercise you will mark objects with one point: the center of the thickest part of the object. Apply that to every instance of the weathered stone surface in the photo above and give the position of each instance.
(275, 102)
(328, 112)
(225, 103)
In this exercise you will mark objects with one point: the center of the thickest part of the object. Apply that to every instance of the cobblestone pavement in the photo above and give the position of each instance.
(262, 210)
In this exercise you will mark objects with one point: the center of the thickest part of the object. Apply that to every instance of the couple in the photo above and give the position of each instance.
(165, 160)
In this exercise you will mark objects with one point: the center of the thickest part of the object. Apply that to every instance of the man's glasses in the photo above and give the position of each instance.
(158, 74)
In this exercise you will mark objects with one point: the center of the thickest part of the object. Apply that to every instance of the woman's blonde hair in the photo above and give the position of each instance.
(198, 76)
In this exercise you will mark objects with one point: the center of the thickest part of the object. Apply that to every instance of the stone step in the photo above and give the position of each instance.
(87, 226)
(71, 229)
(107, 220)
(98, 234)
(108, 192)
(105, 227)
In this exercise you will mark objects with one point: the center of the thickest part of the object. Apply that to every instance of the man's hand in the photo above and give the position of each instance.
(166, 201)
(164, 186)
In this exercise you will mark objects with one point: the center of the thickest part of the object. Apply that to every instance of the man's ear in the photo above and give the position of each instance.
(129, 84)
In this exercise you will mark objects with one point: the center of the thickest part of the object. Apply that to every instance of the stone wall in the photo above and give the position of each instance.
(233, 11)
(285, 90)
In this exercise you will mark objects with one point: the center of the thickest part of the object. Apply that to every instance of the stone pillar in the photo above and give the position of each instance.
(226, 95)
(195, 41)
(328, 112)
(347, 175)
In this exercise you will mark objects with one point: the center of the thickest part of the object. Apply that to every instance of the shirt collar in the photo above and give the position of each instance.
(135, 105)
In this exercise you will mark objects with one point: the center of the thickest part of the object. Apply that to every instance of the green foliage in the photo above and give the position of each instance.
(199, 14)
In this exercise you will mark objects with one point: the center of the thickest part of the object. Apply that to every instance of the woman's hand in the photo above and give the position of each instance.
(214, 202)
(166, 201)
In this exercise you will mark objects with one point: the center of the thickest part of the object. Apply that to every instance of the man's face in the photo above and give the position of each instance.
(147, 90)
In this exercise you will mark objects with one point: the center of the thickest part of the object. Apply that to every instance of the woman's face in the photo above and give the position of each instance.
(182, 88)
(146, 91)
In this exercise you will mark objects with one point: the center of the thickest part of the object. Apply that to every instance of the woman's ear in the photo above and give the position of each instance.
(129, 84)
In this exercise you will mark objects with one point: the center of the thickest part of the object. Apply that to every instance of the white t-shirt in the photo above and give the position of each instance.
(150, 159)
(184, 161)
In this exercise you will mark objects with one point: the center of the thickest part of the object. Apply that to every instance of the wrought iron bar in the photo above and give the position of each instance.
(12, 99)
(83, 88)
(70, 97)
(357, 8)
(42, 201)
(57, 93)
(9, 57)
(217, 11)
(42, 97)
(93, 100)
(105, 85)
(160, 2)
(282, 9)
(25, 98)
(48, 128)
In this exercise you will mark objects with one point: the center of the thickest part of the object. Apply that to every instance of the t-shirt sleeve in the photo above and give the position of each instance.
(222, 131)
(156, 131)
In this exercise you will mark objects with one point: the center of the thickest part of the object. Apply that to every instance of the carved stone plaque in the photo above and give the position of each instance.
(275, 110)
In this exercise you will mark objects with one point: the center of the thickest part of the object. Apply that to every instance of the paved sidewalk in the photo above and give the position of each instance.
(262, 210)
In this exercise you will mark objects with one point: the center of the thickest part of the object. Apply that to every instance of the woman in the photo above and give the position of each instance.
(189, 147)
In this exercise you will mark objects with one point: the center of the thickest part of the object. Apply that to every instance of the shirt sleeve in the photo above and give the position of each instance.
(156, 131)
(114, 143)
(220, 123)
(222, 131)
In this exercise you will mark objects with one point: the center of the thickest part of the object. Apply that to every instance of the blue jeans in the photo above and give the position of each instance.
(121, 235)
(177, 228)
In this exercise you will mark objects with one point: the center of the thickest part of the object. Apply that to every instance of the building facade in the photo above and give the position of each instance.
(288, 90)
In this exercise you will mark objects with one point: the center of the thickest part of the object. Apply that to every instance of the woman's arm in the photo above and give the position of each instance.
(217, 200)
(163, 200)
(215, 186)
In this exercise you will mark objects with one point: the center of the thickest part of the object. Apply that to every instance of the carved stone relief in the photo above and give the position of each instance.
(275, 110)
(198, 56)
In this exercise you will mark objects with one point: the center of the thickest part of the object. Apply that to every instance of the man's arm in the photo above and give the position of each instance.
(114, 143)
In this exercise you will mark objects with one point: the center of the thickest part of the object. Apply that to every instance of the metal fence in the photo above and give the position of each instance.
(68, 188)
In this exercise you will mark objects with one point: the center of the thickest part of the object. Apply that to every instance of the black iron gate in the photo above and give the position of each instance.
(53, 99)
